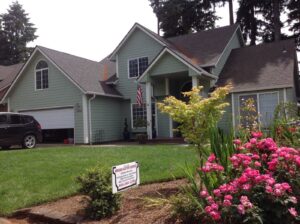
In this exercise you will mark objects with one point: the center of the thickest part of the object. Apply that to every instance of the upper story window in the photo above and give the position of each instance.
(41, 75)
(137, 66)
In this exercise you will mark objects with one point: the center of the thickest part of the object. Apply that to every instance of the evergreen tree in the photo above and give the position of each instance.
(294, 19)
(177, 17)
(15, 32)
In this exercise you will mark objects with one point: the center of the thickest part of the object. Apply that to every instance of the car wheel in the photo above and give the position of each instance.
(29, 142)
(5, 146)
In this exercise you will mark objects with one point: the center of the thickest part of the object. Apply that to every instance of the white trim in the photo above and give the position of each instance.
(133, 28)
(103, 94)
(26, 65)
(46, 108)
(131, 59)
(262, 88)
(85, 119)
(167, 85)
(284, 95)
(194, 81)
(117, 66)
(40, 70)
(233, 111)
(90, 119)
(149, 109)
(156, 120)
(199, 71)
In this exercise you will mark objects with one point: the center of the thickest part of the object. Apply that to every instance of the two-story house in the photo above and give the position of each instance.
(89, 101)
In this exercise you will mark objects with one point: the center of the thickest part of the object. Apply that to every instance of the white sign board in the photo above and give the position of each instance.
(125, 176)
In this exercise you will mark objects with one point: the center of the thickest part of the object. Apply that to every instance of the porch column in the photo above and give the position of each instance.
(148, 109)
(167, 82)
(194, 81)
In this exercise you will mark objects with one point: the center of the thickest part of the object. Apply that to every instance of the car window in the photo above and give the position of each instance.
(26, 119)
(15, 119)
(3, 119)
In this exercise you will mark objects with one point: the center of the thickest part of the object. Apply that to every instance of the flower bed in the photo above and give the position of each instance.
(260, 186)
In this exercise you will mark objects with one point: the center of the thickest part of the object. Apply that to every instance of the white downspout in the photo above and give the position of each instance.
(90, 119)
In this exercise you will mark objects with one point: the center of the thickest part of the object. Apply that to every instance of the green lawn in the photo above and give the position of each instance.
(29, 177)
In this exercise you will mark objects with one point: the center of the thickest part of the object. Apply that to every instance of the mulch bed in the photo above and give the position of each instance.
(134, 208)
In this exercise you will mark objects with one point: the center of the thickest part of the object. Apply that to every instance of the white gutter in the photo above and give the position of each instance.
(90, 119)
(103, 94)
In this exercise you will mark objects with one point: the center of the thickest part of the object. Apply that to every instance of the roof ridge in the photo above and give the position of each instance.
(202, 31)
(72, 55)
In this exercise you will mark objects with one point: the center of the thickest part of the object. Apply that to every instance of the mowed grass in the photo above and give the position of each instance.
(30, 177)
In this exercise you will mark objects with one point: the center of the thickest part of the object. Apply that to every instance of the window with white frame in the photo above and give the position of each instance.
(41, 75)
(139, 115)
(264, 105)
(137, 66)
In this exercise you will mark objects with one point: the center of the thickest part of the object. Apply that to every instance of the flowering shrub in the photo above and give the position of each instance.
(263, 185)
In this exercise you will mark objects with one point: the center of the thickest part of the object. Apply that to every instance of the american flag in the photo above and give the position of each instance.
(139, 95)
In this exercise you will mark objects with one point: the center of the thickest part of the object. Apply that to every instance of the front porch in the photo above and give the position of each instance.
(160, 125)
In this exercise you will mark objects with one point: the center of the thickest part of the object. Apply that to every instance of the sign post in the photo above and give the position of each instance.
(125, 176)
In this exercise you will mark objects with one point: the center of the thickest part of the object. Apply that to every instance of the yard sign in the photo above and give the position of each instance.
(125, 176)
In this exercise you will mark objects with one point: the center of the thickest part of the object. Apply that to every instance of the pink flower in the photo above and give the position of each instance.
(210, 200)
(257, 134)
(237, 141)
(293, 199)
(217, 192)
(241, 209)
(226, 203)
(208, 209)
(211, 158)
(214, 206)
(203, 194)
(228, 197)
(293, 212)
(269, 189)
(253, 141)
(257, 164)
(215, 215)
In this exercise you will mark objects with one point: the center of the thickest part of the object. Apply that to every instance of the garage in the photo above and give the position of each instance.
(57, 124)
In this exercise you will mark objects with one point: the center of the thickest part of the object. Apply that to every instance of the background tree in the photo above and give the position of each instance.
(178, 17)
(294, 19)
(15, 33)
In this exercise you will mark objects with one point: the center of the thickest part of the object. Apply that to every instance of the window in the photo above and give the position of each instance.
(139, 115)
(137, 66)
(264, 105)
(3, 119)
(27, 119)
(41, 75)
(15, 119)
(248, 115)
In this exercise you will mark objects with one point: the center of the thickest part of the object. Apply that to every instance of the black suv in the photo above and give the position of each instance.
(19, 129)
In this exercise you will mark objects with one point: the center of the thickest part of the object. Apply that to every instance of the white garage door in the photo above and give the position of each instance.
(53, 119)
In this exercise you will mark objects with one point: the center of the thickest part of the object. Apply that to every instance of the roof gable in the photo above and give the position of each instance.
(136, 26)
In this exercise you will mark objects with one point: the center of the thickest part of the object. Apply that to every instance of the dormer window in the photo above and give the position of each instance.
(137, 66)
(41, 76)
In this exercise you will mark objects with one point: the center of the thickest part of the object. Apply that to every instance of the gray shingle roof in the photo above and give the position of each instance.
(201, 49)
(89, 75)
(8, 74)
(263, 66)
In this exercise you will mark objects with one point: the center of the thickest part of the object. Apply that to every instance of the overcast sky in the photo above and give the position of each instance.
(88, 28)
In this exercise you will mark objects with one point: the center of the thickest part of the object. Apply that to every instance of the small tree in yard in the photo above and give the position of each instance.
(197, 115)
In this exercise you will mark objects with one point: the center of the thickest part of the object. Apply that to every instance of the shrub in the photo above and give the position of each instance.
(142, 138)
(263, 186)
(96, 184)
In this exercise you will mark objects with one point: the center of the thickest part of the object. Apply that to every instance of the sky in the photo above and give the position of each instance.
(88, 28)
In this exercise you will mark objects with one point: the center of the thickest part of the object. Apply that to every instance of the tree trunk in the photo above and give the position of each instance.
(253, 32)
(231, 19)
(276, 20)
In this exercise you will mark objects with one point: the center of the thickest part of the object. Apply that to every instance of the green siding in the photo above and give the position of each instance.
(107, 119)
(291, 95)
(235, 42)
(226, 121)
(139, 44)
(167, 64)
(61, 93)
